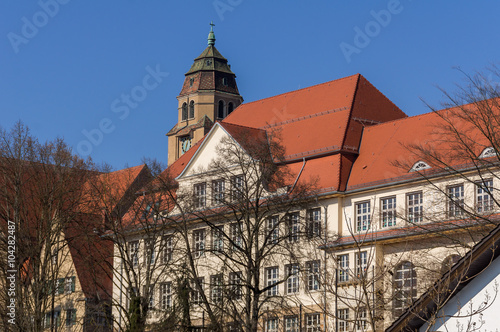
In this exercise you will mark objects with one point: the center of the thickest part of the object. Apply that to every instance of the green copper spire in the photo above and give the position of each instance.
(211, 35)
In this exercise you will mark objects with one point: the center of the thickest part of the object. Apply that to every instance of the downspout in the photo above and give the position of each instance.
(298, 175)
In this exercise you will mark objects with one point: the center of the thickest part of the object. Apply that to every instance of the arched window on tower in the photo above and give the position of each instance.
(405, 287)
(230, 108)
(220, 110)
(184, 112)
(191, 109)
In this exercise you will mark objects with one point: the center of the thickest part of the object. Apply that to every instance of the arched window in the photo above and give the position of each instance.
(405, 287)
(191, 109)
(448, 262)
(230, 108)
(184, 112)
(420, 166)
(224, 81)
(220, 110)
(488, 152)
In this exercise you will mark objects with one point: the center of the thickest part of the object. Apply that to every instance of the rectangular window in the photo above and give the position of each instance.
(293, 227)
(361, 322)
(363, 216)
(273, 229)
(166, 295)
(133, 248)
(195, 293)
(414, 207)
(272, 275)
(70, 317)
(199, 243)
(218, 239)
(60, 285)
(312, 323)
(456, 201)
(313, 227)
(313, 275)
(343, 268)
(291, 324)
(69, 285)
(216, 288)
(218, 192)
(236, 187)
(361, 264)
(235, 233)
(168, 249)
(388, 211)
(235, 285)
(343, 320)
(292, 283)
(200, 195)
(272, 325)
(52, 317)
(484, 199)
(150, 251)
(150, 296)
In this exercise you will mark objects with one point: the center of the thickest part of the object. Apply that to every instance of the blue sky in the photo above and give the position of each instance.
(65, 63)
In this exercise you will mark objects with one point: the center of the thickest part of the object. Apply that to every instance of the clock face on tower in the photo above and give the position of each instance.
(185, 144)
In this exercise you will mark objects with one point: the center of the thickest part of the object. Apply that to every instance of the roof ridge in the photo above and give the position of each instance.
(307, 87)
(305, 117)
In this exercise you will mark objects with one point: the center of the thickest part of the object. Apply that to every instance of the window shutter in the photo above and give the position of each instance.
(73, 284)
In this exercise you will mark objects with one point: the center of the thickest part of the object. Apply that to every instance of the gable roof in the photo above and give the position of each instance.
(462, 273)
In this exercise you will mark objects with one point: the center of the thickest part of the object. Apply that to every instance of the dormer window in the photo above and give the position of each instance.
(209, 62)
(191, 81)
(224, 81)
(488, 152)
(420, 166)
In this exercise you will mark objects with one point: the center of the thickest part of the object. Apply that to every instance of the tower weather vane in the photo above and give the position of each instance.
(211, 34)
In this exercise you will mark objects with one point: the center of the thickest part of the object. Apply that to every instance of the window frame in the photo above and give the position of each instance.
(361, 264)
(388, 206)
(405, 284)
(291, 323)
(199, 242)
(455, 207)
(168, 249)
(218, 192)
(292, 284)
(484, 189)
(200, 195)
(343, 319)
(343, 268)
(184, 111)
(363, 218)
(133, 247)
(235, 284)
(314, 223)
(293, 226)
(273, 229)
(191, 109)
(415, 211)
(312, 322)
(272, 278)
(166, 295)
(216, 288)
(237, 183)
(313, 269)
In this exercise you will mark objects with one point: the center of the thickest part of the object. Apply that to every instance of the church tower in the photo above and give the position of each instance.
(209, 93)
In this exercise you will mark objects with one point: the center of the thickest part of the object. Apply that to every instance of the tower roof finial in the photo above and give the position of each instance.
(211, 35)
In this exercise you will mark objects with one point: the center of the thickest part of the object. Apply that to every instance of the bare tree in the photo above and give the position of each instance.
(40, 192)
(242, 226)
